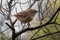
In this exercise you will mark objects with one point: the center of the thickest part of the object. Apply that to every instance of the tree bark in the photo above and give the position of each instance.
(13, 35)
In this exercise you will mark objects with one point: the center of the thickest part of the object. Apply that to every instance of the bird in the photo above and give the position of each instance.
(26, 16)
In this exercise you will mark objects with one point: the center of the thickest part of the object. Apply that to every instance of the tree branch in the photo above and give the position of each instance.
(46, 35)
(10, 26)
(10, 2)
(32, 4)
(4, 9)
(14, 22)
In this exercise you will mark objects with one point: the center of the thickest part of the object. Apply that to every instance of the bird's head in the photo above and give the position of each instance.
(16, 15)
(32, 11)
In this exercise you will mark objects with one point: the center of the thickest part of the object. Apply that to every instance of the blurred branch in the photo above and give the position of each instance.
(29, 3)
(16, 19)
(56, 17)
(35, 33)
(23, 3)
(10, 2)
(55, 21)
(31, 29)
(19, 3)
(20, 6)
(10, 26)
(49, 32)
(46, 35)
(49, 7)
(32, 4)
(4, 9)
(14, 22)
(3, 13)
(5, 30)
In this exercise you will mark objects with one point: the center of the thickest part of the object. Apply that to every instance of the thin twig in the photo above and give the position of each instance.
(5, 30)
(46, 35)
(32, 4)
(19, 3)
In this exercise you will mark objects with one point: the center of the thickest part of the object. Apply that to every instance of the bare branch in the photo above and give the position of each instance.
(19, 3)
(20, 6)
(46, 35)
(5, 30)
(32, 4)
(14, 22)
(10, 26)
(10, 2)
(4, 9)
(3, 14)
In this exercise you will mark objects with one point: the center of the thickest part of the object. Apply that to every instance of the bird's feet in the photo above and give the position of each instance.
(28, 25)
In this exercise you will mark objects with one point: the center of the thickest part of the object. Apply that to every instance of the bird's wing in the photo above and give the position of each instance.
(23, 14)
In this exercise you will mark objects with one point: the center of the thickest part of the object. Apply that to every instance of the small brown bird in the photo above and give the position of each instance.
(26, 16)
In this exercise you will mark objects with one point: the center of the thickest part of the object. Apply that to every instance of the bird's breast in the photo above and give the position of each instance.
(26, 19)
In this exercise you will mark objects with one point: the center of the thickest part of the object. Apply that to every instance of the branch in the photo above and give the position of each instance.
(56, 17)
(10, 26)
(10, 2)
(54, 23)
(32, 4)
(46, 35)
(14, 22)
(5, 30)
(38, 27)
(3, 13)
(19, 3)
(31, 29)
(35, 34)
(4, 9)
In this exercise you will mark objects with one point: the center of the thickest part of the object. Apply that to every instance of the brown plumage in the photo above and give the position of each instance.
(26, 16)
